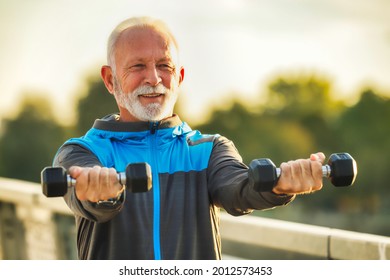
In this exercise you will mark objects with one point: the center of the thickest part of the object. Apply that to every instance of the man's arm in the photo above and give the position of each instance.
(85, 168)
(229, 184)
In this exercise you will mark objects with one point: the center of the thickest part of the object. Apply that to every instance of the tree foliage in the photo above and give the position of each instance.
(96, 102)
(29, 141)
(364, 129)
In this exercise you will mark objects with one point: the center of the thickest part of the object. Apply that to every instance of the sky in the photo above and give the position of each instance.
(50, 47)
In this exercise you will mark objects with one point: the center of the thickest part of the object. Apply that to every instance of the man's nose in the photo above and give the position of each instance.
(152, 76)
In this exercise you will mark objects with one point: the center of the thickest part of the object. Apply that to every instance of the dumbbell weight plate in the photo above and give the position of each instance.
(343, 169)
(263, 173)
(54, 181)
(138, 177)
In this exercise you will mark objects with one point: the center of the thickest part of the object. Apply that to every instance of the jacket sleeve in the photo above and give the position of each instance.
(229, 184)
(72, 155)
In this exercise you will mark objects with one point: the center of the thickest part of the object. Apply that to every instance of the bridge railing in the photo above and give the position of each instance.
(35, 227)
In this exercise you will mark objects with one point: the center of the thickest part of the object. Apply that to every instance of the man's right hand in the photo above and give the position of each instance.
(96, 184)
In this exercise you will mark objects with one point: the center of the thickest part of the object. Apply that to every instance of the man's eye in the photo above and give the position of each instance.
(166, 67)
(137, 66)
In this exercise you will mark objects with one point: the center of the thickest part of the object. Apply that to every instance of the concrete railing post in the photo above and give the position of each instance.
(40, 232)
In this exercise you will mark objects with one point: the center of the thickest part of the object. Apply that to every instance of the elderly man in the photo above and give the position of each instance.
(194, 175)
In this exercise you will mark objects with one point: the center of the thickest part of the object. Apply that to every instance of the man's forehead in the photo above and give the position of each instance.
(138, 35)
(142, 38)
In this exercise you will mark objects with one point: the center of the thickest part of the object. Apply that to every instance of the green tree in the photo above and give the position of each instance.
(29, 141)
(309, 102)
(294, 121)
(364, 129)
(256, 135)
(96, 102)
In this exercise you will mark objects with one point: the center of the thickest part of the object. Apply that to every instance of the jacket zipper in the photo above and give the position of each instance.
(156, 191)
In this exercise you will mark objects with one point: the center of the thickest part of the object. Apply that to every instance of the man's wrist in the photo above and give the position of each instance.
(112, 201)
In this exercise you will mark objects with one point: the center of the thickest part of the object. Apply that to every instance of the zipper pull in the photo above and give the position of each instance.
(154, 127)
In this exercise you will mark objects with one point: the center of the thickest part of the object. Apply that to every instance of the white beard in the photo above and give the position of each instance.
(151, 112)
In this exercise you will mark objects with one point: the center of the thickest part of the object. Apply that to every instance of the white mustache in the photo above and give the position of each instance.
(145, 89)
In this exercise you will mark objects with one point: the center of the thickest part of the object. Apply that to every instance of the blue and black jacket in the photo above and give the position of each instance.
(193, 176)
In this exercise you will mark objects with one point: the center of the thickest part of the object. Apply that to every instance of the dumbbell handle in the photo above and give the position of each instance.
(341, 170)
(137, 178)
(326, 169)
(121, 178)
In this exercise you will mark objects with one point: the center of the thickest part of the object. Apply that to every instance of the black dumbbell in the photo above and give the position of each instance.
(55, 180)
(341, 170)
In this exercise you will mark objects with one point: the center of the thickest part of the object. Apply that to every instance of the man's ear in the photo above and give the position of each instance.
(108, 78)
(181, 75)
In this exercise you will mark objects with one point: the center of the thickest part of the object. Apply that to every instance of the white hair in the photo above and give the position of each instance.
(135, 22)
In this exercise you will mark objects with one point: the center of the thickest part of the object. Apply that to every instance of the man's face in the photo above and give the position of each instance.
(146, 79)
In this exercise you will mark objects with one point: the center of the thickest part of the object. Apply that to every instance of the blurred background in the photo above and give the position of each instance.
(280, 78)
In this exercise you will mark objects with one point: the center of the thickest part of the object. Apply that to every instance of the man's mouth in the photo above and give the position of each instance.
(151, 95)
